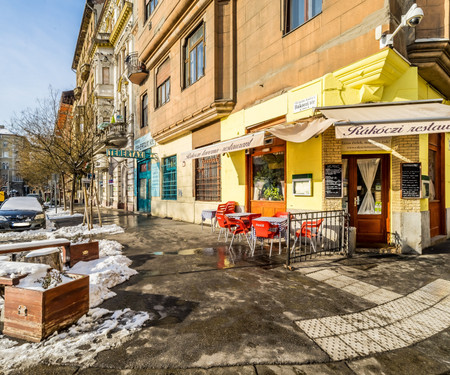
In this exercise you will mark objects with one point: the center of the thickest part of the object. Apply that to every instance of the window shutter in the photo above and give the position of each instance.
(163, 72)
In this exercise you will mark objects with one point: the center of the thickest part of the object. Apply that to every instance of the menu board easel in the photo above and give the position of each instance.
(411, 180)
(333, 181)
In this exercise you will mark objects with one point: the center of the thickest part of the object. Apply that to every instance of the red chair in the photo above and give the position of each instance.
(230, 206)
(224, 225)
(265, 230)
(240, 228)
(281, 214)
(310, 229)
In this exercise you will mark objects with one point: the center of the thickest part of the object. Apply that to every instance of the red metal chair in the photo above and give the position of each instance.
(240, 228)
(224, 224)
(310, 229)
(265, 230)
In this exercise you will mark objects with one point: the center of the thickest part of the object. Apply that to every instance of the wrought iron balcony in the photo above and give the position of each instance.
(114, 134)
(136, 70)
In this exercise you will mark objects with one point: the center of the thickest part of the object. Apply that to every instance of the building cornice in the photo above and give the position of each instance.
(121, 22)
(82, 33)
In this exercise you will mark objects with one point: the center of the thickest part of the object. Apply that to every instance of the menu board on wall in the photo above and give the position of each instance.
(333, 180)
(411, 180)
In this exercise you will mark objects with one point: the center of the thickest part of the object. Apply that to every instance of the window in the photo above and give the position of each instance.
(300, 11)
(5, 165)
(194, 57)
(169, 184)
(150, 6)
(5, 154)
(207, 179)
(163, 83)
(268, 176)
(105, 75)
(144, 111)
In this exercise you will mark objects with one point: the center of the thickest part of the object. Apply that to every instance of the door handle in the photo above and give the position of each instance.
(355, 200)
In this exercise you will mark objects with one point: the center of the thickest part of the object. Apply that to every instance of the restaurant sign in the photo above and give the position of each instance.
(237, 144)
(126, 153)
(143, 143)
(391, 129)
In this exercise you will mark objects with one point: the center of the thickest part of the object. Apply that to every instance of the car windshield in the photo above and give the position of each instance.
(22, 203)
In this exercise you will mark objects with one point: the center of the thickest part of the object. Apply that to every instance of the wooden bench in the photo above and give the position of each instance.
(71, 254)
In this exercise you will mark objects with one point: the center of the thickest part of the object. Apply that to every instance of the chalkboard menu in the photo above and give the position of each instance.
(411, 180)
(333, 180)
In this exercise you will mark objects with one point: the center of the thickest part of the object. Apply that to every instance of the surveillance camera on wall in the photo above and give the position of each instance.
(412, 18)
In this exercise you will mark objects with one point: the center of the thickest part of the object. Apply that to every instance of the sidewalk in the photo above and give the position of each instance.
(220, 312)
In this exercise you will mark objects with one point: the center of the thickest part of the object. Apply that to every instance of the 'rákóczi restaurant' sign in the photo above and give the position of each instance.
(125, 153)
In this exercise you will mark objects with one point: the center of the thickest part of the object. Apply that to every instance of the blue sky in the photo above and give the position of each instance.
(37, 43)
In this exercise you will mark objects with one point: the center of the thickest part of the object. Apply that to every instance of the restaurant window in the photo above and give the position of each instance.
(297, 12)
(207, 179)
(144, 111)
(150, 6)
(194, 56)
(268, 177)
(169, 183)
(163, 83)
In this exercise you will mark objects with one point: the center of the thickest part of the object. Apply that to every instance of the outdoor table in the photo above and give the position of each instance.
(209, 214)
(238, 215)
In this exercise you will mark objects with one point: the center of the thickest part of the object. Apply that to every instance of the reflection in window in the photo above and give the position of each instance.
(194, 59)
(268, 177)
(300, 11)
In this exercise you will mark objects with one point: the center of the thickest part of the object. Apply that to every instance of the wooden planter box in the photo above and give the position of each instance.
(81, 252)
(34, 315)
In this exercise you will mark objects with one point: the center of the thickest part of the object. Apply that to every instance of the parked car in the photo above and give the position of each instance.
(20, 213)
(37, 196)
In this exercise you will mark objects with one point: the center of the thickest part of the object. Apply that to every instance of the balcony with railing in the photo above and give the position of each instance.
(136, 70)
(111, 135)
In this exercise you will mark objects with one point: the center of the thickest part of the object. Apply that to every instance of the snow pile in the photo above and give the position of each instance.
(13, 269)
(61, 214)
(64, 232)
(43, 281)
(97, 331)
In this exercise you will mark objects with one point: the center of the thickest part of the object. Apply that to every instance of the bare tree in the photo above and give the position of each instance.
(61, 136)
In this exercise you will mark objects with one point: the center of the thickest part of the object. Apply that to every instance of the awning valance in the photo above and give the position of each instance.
(236, 144)
(389, 119)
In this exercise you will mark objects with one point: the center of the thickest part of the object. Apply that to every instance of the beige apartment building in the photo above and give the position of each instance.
(255, 101)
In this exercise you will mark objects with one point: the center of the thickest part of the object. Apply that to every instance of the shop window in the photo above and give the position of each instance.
(207, 179)
(150, 6)
(194, 56)
(169, 183)
(268, 177)
(297, 12)
(144, 111)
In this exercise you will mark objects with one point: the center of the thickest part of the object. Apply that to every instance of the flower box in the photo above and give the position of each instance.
(33, 315)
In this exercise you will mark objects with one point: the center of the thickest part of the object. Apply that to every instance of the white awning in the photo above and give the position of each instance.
(389, 119)
(302, 130)
(236, 144)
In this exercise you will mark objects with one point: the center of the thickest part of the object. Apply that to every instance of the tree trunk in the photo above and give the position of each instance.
(72, 195)
(64, 190)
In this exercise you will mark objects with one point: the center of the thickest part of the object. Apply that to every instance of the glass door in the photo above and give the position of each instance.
(144, 186)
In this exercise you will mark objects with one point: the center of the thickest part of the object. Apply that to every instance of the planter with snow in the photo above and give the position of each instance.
(34, 314)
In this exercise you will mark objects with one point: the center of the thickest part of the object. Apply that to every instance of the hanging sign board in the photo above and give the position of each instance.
(125, 153)
(333, 181)
(411, 181)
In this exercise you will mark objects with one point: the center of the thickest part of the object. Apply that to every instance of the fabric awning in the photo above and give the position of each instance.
(236, 144)
(302, 130)
(389, 119)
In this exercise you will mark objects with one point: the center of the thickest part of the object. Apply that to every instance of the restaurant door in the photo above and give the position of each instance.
(366, 196)
(144, 185)
(266, 178)
(437, 188)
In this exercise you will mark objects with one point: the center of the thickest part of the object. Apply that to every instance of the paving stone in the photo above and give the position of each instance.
(424, 297)
(408, 338)
(413, 328)
(404, 307)
(380, 315)
(336, 348)
(381, 296)
(360, 289)
(361, 343)
(307, 270)
(437, 320)
(323, 275)
(340, 281)
(314, 328)
(361, 321)
(439, 288)
(338, 325)
(385, 338)
(444, 305)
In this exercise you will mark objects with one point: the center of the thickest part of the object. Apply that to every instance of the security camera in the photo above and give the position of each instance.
(413, 16)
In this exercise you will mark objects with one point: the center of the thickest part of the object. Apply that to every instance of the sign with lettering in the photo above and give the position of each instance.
(145, 142)
(304, 104)
(125, 153)
(155, 184)
(411, 182)
(333, 181)
(364, 144)
(391, 129)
